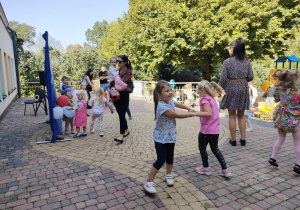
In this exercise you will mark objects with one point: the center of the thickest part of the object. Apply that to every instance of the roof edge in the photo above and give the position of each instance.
(3, 16)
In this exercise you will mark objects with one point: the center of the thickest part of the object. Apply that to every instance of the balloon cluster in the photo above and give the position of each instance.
(61, 109)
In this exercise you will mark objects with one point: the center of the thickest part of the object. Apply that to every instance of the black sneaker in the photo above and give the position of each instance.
(243, 142)
(84, 134)
(118, 140)
(297, 169)
(274, 163)
(233, 143)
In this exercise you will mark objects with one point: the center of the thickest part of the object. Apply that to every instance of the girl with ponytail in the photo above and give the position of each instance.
(286, 115)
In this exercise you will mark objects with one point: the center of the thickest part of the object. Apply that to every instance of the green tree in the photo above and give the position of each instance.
(78, 59)
(185, 33)
(98, 31)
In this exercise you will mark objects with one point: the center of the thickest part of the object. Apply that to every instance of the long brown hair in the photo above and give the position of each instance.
(158, 89)
(286, 79)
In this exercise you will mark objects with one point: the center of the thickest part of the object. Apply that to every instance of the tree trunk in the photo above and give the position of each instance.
(206, 71)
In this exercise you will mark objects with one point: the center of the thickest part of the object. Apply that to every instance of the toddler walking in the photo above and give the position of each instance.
(286, 115)
(210, 126)
(164, 132)
(69, 120)
(98, 102)
(81, 114)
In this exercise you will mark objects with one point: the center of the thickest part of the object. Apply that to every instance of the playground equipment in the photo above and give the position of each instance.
(291, 58)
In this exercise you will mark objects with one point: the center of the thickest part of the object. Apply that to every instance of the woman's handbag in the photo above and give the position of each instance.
(114, 94)
(131, 86)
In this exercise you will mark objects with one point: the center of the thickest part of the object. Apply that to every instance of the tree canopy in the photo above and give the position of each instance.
(186, 34)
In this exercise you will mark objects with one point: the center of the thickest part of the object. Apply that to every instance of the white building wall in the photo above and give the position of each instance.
(6, 46)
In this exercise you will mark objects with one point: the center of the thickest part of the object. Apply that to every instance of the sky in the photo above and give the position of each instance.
(65, 20)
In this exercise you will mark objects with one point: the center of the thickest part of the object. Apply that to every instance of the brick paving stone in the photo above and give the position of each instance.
(111, 176)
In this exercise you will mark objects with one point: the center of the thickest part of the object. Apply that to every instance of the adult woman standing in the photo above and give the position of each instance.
(125, 73)
(87, 79)
(236, 73)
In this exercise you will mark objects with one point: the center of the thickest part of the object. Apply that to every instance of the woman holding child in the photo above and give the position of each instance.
(125, 73)
(236, 73)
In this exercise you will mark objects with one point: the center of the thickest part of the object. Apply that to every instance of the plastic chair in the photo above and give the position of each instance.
(40, 100)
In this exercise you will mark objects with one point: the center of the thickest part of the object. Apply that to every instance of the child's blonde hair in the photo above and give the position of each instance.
(69, 95)
(100, 95)
(212, 88)
(112, 58)
(286, 79)
(82, 94)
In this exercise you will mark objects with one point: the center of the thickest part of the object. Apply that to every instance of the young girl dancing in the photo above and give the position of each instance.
(98, 102)
(210, 126)
(287, 112)
(164, 132)
(81, 115)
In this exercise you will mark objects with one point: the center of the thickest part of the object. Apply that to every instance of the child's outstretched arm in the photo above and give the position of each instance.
(182, 106)
(107, 104)
(172, 114)
(206, 111)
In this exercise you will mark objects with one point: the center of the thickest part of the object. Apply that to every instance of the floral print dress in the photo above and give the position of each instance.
(287, 112)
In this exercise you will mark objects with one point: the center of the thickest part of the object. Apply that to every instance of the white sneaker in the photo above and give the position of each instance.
(249, 129)
(92, 131)
(101, 134)
(150, 187)
(169, 180)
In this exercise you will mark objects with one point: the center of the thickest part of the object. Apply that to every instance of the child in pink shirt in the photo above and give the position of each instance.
(210, 126)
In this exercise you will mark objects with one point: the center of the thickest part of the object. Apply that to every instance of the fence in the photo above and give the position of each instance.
(184, 92)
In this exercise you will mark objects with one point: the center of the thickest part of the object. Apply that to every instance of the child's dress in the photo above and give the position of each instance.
(286, 115)
(81, 114)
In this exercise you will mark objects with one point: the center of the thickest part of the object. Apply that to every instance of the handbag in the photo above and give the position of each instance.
(131, 86)
(114, 94)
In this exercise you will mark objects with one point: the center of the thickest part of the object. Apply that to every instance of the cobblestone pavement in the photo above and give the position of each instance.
(97, 173)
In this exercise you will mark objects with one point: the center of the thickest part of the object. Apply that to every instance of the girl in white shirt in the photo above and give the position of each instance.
(98, 102)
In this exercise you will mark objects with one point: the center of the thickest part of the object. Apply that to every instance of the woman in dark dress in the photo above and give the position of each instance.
(88, 80)
(125, 73)
(236, 73)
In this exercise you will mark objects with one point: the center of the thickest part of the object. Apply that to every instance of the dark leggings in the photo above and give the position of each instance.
(165, 154)
(121, 107)
(212, 140)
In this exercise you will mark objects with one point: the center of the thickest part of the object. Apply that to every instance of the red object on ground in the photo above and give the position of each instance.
(62, 101)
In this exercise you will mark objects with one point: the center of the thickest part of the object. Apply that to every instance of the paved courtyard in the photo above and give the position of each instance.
(97, 173)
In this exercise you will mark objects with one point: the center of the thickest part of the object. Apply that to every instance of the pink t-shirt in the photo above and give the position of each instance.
(210, 125)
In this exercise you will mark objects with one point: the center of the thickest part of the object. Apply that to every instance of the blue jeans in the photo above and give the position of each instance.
(270, 100)
(105, 86)
(128, 112)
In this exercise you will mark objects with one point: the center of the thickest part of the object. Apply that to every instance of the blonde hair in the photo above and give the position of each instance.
(286, 79)
(113, 57)
(158, 89)
(82, 95)
(99, 95)
(212, 88)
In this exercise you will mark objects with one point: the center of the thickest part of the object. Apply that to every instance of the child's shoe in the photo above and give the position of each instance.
(84, 134)
(202, 170)
(273, 162)
(66, 132)
(101, 134)
(249, 129)
(149, 186)
(169, 180)
(73, 131)
(92, 131)
(226, 172)
(77, 135)
(297, 169)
